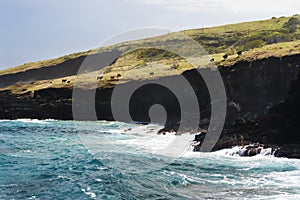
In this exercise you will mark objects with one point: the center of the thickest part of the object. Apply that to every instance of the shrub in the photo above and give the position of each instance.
(292, 24)
(151, 53)
(253, 44)
(231, 51)
(276, 37)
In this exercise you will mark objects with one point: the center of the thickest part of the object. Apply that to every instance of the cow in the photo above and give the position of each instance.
(225, 56)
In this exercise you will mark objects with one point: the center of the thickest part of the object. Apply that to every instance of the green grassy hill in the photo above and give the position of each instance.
(256, 40)
(248, 35)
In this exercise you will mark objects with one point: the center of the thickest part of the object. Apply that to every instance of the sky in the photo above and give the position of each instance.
(33, 30)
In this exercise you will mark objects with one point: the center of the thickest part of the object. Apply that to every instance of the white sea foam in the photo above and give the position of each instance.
(242, 150)
(112, 131)
(51, 120)
(25, 120)
(88, 192)
(5, 120)
(143, 138)
(25, 151)
(31, 121)
(32, 197)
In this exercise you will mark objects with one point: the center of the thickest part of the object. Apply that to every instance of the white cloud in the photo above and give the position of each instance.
(221, 6)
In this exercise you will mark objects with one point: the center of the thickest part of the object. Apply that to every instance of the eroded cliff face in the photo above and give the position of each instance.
(252, 88)
(262, 95)
(283, 120)
(52, 105)
(277, 129)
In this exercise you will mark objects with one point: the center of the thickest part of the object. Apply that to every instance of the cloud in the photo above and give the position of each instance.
(223, 6)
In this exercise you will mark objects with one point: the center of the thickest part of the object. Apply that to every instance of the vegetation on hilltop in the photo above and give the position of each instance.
(253, 40)
(248, 35)
(132, 67)
(221, 39)
(45, 63)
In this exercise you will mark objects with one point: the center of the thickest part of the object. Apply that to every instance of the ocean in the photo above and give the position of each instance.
(49, 159)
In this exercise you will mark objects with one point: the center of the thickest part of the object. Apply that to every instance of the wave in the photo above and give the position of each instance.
(88, 192)
(28, 120)
(31, 121)
(248, 150)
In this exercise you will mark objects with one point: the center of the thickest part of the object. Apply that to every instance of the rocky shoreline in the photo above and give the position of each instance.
(276, 128)
(263, 99)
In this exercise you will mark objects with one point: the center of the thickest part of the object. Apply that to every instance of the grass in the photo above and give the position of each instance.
(221, 38)
(273, 50)
(45, 63)
(131, 67)
(275, 37)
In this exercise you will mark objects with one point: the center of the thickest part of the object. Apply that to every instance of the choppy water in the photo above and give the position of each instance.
(106, 160)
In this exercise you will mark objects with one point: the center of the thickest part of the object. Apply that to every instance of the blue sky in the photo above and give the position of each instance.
(33, 30)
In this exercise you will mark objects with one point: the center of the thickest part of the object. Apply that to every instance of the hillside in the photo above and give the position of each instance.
(276, 37)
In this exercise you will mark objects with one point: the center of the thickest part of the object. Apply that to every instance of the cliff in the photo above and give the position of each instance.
(262, 99)
(252, 88)
(262, 86)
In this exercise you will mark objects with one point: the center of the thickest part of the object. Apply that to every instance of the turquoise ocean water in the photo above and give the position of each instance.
(111, 160)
